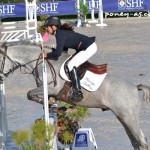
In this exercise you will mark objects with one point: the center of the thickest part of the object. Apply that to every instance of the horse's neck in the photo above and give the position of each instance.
(28, 54)
(23, 54)
(19, 55)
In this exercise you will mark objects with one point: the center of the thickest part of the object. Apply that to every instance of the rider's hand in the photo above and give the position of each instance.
(45, 54)
(51, 56)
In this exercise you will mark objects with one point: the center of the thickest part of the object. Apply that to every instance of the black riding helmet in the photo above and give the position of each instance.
(52, 21)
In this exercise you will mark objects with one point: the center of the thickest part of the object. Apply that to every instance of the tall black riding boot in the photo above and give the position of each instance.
(77, 94)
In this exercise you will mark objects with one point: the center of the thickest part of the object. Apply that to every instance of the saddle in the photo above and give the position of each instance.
(67, 89)
(97, 69)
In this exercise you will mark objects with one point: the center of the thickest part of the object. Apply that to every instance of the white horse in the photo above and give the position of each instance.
(114, 94)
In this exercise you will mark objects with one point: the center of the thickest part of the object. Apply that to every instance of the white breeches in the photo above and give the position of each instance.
(82, 56)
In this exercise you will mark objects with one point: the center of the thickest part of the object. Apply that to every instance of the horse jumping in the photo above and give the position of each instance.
(114, 94)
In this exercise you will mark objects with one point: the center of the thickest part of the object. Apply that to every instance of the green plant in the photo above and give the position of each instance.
(68, 122)
(37, 139)
(41, 29)
(83, 9)
(67, 137)
(80, 114)
(19, 137)
(40, 135)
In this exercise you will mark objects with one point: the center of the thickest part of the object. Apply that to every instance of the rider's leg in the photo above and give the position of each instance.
(77, 94)
(82, 56)
(76, 61)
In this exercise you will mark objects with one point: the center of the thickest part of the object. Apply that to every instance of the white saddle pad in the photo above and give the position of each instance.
(90, 81)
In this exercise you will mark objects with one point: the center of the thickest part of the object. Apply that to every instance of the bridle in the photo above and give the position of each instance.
(51, 68)
(17, 65)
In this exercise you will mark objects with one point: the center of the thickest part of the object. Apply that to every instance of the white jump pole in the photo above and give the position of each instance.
(79, 23)
(3, 117)
(101, 19)
(148, 13)
(45, 90)
(53, 142)
(31, 17)
(92, 12)
(92, 9)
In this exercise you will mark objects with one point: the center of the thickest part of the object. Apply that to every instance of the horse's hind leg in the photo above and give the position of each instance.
(131, 125)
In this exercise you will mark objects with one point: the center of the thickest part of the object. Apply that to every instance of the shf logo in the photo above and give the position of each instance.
(130, 4)
(122, 3)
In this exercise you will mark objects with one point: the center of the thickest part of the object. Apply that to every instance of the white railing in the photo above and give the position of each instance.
(31, 17)
(3, 118)
(93, 9)
(15, 31)
(100, 15)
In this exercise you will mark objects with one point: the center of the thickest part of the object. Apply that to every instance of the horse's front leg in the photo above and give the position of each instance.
(36, 95)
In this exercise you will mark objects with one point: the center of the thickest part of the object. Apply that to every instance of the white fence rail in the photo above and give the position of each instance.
(31, 17)
(3, 118)
(15, 31)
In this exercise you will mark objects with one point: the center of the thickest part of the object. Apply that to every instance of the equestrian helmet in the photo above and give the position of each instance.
(52, 21)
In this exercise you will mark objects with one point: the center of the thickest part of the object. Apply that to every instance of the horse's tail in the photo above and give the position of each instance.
(146, 90)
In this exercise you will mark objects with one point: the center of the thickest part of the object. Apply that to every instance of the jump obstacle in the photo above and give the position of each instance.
(15, 31)
(100, 21)
(12, 32)
(3, 117)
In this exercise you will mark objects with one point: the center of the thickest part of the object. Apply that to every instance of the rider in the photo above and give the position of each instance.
(84, 46)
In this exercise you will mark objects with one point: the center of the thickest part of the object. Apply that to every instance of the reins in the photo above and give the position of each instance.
(4, 53)
(51, 68)
(3, 59)
(35, 70)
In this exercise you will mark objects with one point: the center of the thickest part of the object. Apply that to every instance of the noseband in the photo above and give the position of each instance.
(15, 65)
(3, 59)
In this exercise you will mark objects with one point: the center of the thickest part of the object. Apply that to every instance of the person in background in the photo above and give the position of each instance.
(53, 113)
(84, 46)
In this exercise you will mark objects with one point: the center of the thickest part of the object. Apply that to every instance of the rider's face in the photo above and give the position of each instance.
(50, 30)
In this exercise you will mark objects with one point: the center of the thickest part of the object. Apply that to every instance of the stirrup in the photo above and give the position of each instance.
(75, 96)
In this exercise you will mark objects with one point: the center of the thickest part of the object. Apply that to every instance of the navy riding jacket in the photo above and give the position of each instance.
(69, 39)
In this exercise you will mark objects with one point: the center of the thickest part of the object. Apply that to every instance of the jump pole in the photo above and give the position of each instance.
(3, 117)
(37, 39)
(79, 23)
(93, 20)
(48, 121)
(45, 89)
(148, 13)
(101, 19)
(31, 17)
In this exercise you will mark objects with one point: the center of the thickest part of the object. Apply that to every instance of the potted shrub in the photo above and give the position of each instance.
(19, 137)
(68, 123)
(37, 138)
(83, 11)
